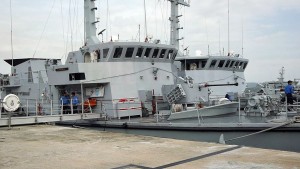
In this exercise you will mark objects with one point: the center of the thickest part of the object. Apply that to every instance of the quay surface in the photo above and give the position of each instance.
(48, 146)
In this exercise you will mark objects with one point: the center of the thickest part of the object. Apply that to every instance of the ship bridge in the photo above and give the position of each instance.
(124, 52)
(225, 63)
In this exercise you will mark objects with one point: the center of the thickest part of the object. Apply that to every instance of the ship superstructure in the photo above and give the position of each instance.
(113, 73)
(121, 78)
(222, 74)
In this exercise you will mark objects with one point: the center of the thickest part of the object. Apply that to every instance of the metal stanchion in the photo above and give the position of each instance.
(199, 122)
(36, 108)
(82, 101)
(286, 107)
(1, 108)
(9, 120)
(51, 107)
(239, 109)
(27, 107)
(71, 106)
(62, 108)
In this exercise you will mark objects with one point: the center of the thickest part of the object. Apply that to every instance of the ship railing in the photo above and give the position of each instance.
(21, 78)
(47, 107)
(128, 108)
(292, 108)
(109, 109)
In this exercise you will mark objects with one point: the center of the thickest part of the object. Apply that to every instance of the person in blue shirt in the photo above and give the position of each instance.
(289, 90)
(75, 102)
(65, 102)
(227, 97)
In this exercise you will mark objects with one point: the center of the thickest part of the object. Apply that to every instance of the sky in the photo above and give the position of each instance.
(267, 32)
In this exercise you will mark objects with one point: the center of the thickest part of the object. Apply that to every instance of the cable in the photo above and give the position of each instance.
(133, 74)
(63, 28)
(225, 78)
(70, 24)
(43, 29)
(77, 32)
(183, 31)
(164, 31)
(11, 39)
(155, 9)
(161, 70)
(108, 20)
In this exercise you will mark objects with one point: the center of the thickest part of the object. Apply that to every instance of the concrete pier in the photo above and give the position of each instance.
(48, 147)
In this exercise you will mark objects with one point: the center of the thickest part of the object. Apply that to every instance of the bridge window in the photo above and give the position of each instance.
(76, 76)
(193, 66)
(118, 52)
(231, 64)
(139, 52)
(227, 63)
(129, 52)
(170, 54)
(237, 64)
(245, 65)
(147, 52)
(98, 54)
(162, 53)
(213, 63)
(87, 57)
(155, 53)
(221, 63)
(105, 52)
(174, 55)
(241, 65)
(202, 63)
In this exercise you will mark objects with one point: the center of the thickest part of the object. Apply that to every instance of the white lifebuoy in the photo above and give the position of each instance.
(11, 102)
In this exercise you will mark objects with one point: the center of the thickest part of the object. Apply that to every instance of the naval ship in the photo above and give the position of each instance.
(119, 80)
(122, 79)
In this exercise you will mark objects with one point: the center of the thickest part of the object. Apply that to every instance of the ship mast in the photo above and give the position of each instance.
(11, 41)
(90, 37)
(281, 75)
(175, 27)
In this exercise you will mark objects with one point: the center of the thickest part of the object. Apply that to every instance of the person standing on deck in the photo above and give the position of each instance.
(75, 102)
(65, 102)
(289, 90)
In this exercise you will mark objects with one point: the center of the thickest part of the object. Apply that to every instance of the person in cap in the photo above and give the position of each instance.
(65, 102)
(289, 90)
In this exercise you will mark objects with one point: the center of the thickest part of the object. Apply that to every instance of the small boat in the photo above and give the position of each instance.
(199, 112)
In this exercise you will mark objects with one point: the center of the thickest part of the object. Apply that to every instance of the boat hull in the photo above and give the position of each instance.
(215, 110)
